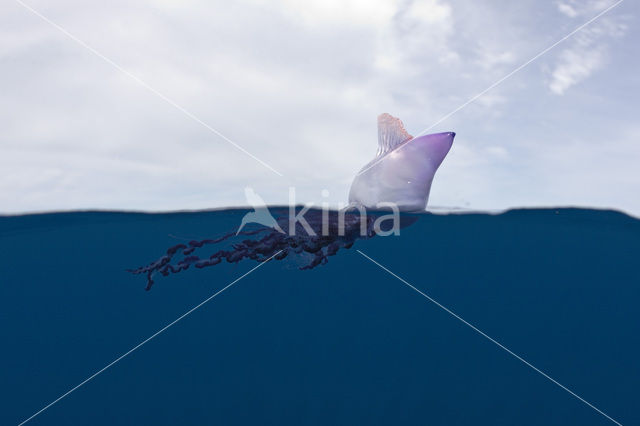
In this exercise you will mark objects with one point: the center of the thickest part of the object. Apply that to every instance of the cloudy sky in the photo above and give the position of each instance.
(126, 110)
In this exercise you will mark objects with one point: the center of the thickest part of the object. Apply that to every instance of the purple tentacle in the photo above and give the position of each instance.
(260, 249)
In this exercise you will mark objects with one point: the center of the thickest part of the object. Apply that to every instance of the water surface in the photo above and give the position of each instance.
(345, 343)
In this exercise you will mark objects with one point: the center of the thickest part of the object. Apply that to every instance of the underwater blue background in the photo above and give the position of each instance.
(343, 344)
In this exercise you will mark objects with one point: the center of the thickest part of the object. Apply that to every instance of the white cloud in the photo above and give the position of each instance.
(298, 84)
(315, 13)
(419, 30)
(587, 51)
(574, 66)
(429, 12)
(489, 58)
(567, 9)
(575, 8)
(492, 99)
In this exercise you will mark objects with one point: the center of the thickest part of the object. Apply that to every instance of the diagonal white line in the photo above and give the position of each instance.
(492, 340)
(474, 98)
(143, 84)
(144, 341)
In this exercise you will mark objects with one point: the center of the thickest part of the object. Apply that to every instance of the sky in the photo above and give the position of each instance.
(174, 105)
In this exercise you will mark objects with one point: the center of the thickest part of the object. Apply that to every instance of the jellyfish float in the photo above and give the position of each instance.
(398, 179)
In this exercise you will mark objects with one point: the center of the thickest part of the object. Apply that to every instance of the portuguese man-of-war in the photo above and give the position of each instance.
(266, 243)
(398, 179)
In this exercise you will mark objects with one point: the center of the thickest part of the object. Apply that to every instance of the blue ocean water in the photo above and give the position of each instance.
(345, 343)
